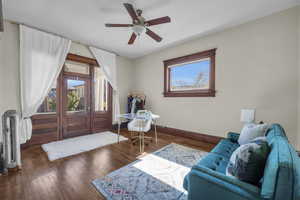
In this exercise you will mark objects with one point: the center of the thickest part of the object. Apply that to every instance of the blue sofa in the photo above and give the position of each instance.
(207, 179)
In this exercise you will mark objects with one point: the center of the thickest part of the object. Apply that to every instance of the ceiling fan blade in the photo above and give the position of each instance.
(132, 38)
(157, 21)
(131, 11)
(154, 36)
(118, 25)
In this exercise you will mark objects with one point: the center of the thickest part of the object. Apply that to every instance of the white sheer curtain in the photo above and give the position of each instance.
(41, 58)
(107, 61)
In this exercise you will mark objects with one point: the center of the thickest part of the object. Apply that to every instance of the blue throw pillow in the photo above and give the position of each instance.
(247, 163)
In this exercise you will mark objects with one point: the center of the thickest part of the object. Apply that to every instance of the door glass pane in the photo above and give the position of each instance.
(101, 88)
(76, 67)
(49, 104)
(76, 95)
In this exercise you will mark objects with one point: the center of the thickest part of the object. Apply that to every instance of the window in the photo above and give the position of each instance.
(191, 75)
(76, 95)
(76, 67)
(100, 90)
(49, 104)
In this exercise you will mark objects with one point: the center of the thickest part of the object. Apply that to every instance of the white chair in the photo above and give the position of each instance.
(141, 124)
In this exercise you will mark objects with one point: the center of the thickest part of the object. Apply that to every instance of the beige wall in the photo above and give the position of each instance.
(80, 49)
(256, 67)
(125, 80)
(9, 71)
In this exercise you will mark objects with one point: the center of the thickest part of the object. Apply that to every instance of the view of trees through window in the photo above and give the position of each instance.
(49, 104)
(190, 76)
(75, 95)
(76, 99)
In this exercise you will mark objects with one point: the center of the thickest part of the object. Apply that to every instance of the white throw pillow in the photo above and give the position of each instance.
(251, 131)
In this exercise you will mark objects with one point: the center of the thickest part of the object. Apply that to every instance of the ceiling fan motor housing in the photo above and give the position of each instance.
(139, 12)
(139, 25)
(141, 21)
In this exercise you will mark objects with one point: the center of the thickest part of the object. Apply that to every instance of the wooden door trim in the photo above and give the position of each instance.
(82, 59)
(98, 115)
(92, 73)
(60, 105)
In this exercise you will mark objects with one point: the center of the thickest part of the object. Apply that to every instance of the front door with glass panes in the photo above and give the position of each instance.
(79, 103)
(76, 119)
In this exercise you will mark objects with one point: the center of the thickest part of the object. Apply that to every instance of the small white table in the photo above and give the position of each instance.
(129, 116)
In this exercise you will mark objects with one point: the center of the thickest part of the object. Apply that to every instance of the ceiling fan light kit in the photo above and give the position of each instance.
(140, 25)
(138, 29)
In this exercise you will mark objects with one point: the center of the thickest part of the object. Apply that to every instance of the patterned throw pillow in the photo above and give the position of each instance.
(247, 163)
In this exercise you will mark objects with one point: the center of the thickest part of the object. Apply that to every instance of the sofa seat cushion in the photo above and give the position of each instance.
(214, 162)
(225, 148)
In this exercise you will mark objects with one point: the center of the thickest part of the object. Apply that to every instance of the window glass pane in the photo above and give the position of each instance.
(101, 88)
(49, 104)
(190, 76)
(76, 67)
(75, 95)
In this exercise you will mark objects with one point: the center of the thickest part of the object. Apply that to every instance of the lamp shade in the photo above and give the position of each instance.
(247, 115)
(138, 29)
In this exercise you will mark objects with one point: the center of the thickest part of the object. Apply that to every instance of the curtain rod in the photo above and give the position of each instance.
(39, 29)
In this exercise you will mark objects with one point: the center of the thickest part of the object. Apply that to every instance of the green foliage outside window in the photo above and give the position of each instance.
(73, 101)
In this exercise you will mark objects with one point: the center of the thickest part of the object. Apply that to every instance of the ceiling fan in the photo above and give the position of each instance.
(140, 25)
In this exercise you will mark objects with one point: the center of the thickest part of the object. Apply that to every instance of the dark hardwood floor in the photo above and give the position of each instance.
(70, 178)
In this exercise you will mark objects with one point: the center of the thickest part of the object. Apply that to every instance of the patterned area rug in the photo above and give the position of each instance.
(158, 175)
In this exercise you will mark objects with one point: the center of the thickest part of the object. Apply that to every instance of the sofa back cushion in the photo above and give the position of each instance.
(275, 130)
(280, 173)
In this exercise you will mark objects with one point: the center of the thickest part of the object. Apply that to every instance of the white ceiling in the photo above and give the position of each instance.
(83, 20)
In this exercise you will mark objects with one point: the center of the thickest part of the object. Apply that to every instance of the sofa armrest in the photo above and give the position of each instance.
(233, 137)
(207, 183)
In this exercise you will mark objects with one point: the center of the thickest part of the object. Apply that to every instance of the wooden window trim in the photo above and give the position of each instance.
(211, 54)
